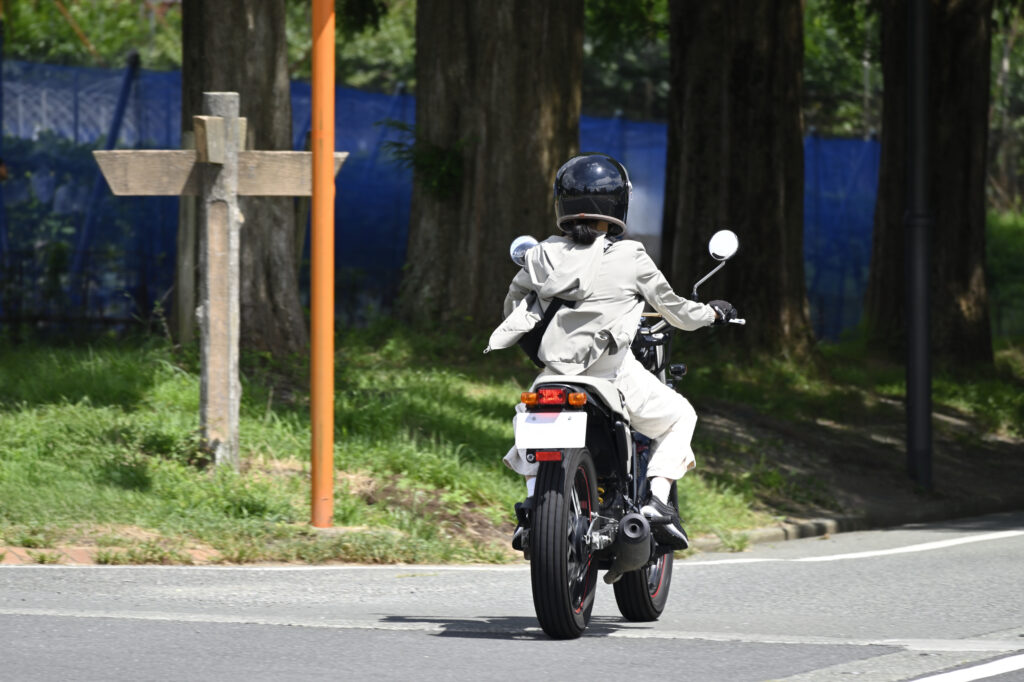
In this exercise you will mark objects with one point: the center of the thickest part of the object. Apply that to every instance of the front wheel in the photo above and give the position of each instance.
(562, 567)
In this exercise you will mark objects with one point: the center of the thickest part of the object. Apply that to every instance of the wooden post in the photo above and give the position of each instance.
(219, 170)
(183, 314)
(219, 137)
(322, 275)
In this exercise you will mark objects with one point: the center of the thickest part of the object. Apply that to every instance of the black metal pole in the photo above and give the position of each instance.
(918, 231)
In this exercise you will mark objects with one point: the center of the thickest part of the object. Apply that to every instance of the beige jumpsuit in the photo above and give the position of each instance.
(610, 283)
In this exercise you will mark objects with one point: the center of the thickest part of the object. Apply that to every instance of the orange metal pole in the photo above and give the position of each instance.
(322, 275)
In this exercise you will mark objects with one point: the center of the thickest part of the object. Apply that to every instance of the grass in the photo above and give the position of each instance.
(104, 437)
(99, 446)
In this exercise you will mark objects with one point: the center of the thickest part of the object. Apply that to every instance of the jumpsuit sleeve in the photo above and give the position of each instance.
(517, 291)
(677, 311)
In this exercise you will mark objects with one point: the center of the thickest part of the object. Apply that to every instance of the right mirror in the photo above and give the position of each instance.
(723, 244)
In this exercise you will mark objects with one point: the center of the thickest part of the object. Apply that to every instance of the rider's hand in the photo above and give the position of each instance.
(723, 311)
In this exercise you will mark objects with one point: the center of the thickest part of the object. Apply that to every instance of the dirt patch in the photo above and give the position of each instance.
(111, 543)
(469, 523)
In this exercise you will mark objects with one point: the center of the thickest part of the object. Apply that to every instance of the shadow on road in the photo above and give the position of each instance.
(507, 627)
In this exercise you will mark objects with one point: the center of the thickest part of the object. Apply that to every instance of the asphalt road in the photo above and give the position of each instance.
(900, 604)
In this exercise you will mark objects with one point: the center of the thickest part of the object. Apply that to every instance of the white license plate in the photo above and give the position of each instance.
(551, 430)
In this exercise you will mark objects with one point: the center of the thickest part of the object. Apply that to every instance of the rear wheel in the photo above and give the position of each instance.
(641, 595)
(562, 567)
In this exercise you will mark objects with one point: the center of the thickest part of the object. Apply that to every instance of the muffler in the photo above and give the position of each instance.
(633, 546)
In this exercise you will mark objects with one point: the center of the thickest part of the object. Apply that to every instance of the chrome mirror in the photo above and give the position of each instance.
(520, 245)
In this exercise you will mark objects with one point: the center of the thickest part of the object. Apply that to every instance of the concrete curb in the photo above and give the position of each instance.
(795, 529)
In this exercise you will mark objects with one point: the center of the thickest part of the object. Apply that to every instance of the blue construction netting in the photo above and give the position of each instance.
(69, 250)
(840, 184)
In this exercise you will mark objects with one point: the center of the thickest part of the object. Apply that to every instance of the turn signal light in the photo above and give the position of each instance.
(577, 399)
(529, 399)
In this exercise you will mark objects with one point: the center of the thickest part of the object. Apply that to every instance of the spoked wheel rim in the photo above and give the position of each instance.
(579, 557)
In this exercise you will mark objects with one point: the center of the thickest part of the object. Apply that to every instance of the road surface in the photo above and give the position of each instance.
(907, 603)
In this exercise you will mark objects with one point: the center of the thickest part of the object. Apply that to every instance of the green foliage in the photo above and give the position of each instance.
(38, 31)
(613, 25)
(626, 57)
(839, 35)
(1005, 270)
(375, 44)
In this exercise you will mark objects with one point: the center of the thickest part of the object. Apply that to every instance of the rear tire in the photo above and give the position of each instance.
(563, 570)
(641, 595)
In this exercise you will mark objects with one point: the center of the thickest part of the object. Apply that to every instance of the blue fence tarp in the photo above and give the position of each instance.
(54, 116)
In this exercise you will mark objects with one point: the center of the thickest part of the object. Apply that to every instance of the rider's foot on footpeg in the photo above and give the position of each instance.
(665, 523)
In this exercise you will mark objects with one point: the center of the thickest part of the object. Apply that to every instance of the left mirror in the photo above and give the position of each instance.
(520, 245)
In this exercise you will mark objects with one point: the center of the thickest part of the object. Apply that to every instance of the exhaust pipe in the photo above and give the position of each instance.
(633, 546)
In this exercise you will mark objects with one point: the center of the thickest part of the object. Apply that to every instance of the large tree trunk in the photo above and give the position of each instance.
(240, 46)
(958, 84)
(735, 159)
(497, 112)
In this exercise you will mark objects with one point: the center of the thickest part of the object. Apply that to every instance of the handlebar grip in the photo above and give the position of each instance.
(737, 321)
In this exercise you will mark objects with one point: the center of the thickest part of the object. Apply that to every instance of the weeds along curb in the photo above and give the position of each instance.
(811, 528)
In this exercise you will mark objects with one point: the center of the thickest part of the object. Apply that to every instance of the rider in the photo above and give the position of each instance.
(605, 282)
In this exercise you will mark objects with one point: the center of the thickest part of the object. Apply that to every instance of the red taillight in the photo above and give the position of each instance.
(551, 396)
(549, 455)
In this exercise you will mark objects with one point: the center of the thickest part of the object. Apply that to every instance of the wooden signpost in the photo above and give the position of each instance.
(218, 170)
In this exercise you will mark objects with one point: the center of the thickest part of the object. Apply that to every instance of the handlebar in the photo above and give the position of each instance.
(660, 325)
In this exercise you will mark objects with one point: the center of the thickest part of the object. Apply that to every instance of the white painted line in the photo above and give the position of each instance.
(442, 624)
(979, 672)
(429, 568)
(923, 547)
(523, 566)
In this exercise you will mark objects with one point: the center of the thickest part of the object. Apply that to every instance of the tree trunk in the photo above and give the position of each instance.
(497, 112)
(239, 46)
(735, 159)
(958, 85)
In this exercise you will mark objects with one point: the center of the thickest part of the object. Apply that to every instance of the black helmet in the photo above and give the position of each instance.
(592, 186)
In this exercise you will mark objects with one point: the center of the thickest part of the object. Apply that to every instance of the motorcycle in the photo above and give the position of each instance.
(592, 482)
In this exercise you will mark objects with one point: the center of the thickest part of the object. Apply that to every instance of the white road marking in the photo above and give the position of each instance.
(923, 547)
(431, 568)
(442, 624)
(980, 672)
(523, 566)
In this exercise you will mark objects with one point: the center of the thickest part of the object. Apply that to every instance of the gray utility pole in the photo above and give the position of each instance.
(918, 230)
